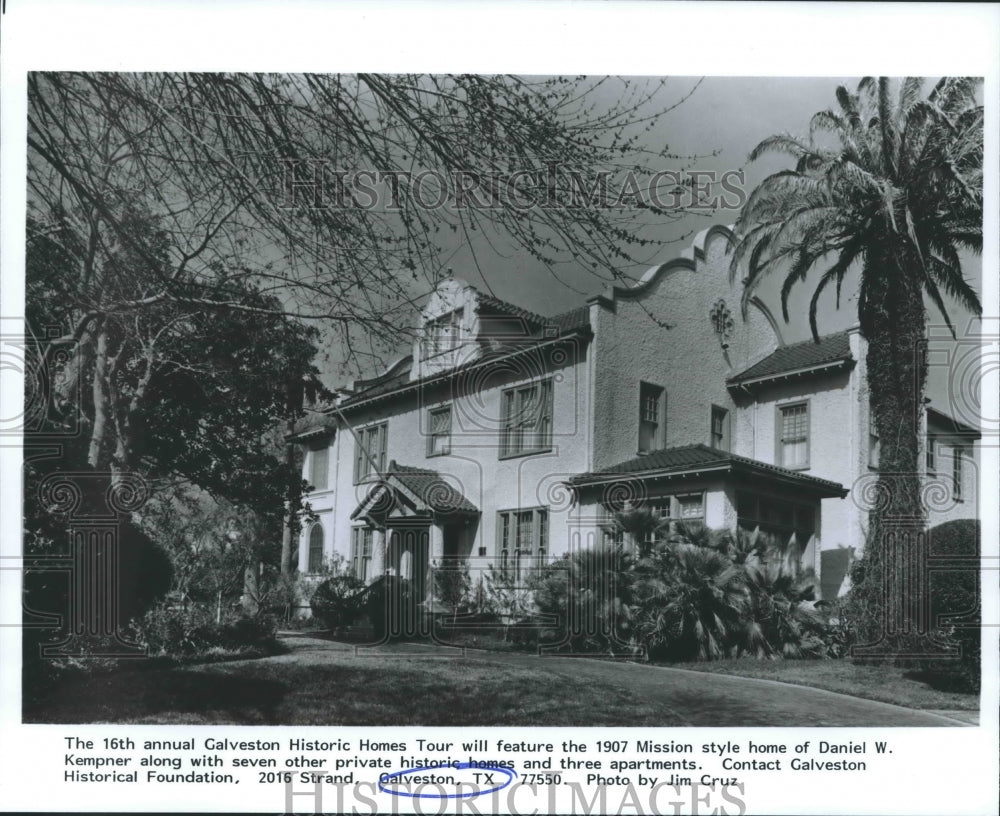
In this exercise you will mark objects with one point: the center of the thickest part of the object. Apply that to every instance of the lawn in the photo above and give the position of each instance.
(322, 683)
(306, 688)
(887, 684)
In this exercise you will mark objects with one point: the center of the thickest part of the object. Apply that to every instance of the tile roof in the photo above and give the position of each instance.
(431, 488)
(683, 460)
(312, 426)
(798, 357)
(487, 302)
(561, 324)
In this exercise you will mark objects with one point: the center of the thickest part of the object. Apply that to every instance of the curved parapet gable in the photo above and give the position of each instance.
(689, 258)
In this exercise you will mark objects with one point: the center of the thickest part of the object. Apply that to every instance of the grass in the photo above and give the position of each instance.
(297, 690)
(317, 683)
(884, 683)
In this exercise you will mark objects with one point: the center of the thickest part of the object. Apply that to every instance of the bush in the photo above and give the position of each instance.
(952, 594)
(589, 593)
(184, 632)
(955, 594)
(692, 603)
(694, 594)
(780, 619)
(336, 601)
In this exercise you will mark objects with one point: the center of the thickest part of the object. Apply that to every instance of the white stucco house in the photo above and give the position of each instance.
(508, 437)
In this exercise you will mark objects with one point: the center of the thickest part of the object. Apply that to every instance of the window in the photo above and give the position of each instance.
(874, 446)
(793, 435)
(664, 509)
(777, 520)
(523, 538)
(442, 334)
(957, 461)
(369, 454)
(316, 548)
(691, 507)
(720, 428)
(527, 419)
(661, 511)
(651, 417)
(361, 551)
(931, 451)
(319, 460)
(439, 431)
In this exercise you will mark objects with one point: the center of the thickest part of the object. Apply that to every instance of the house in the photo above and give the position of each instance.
(508, 438)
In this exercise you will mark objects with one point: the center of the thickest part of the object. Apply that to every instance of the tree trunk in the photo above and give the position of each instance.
(101, 404)
(288, 532)
(888, 593)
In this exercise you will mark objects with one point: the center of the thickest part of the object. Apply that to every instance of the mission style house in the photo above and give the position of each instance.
(509, 438)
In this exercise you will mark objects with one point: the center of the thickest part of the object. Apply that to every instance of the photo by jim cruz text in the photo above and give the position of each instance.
(318, 185)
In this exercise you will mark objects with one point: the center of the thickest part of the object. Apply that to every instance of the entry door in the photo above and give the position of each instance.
(408, 552)
(408, 555)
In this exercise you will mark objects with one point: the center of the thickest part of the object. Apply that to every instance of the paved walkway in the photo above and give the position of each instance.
(696, 698)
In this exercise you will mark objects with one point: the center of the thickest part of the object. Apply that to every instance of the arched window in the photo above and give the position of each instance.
(316, 548)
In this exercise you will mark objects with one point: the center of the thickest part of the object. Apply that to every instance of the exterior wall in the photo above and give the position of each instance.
(832, 453)
(589, 514)
(596, 416)
(687, 359)
(940, 500)
(474, 465)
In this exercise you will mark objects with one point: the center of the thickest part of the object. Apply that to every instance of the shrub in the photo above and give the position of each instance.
(955, 606)
(589, 593)
(780, 619)
(183, 632)
(453, 586)
(336, 601)
(692, 603)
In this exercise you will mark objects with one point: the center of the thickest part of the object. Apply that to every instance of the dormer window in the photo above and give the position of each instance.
(442, 334)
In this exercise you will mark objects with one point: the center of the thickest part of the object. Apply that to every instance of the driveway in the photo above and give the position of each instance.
(694, 698)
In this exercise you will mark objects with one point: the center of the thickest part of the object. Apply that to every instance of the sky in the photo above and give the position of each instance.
(725, 116)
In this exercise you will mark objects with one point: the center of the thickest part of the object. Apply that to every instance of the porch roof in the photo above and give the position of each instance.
(425, 491)
(693, 461)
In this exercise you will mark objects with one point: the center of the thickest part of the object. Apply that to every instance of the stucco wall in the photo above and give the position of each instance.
(474, 465)
(687, 359)
(832, 444)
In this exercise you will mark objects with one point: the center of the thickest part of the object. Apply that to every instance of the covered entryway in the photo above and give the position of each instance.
(416, 518)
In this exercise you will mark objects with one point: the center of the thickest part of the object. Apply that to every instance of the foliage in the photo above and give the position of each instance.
(143, 571)
(781, 619)
(693, 608)
(953, 604)
(453, 585)
(216, 157)
(956, 605)
(392, 606)
(506, 597)
(890, 183)
(141, 379)
(192, 630)
(589, 593)
(639, 525)
(337, 600)
(693, 594)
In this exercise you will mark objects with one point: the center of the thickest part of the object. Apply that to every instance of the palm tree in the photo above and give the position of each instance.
(890, 183)
(691, 602)
(780, 619)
